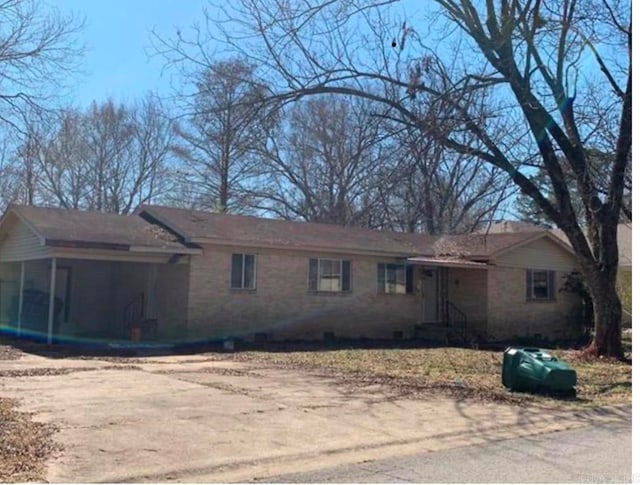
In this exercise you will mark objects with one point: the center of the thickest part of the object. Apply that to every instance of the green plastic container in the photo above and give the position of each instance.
(534, 370)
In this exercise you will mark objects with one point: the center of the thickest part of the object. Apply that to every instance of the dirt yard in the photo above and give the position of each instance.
(236, 417)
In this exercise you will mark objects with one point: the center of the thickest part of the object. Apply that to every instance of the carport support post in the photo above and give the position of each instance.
(20, 297)
(52, 300)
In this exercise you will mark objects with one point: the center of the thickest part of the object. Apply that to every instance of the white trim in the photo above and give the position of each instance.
(106, 255)
(155, 249)
(52, 300)
(20, 298)
(341, 262)
(319, 279)
(385, 278)
(242, 280)
(443, 263)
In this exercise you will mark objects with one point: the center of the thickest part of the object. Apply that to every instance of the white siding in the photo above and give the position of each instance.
(539, 254)
(21, 244)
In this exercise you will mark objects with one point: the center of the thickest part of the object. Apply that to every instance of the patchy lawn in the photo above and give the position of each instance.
(463, 373)
(25, 445)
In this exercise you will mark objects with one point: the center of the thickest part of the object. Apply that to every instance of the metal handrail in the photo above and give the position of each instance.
(456, 319)
(134, 310)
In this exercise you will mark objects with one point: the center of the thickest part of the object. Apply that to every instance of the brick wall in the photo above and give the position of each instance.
(283, 307)
(511, 315)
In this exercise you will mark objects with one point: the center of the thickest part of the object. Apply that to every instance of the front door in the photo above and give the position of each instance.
(430, 279)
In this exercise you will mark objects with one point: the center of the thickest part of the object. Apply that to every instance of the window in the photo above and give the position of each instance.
(243, 271)
(395, 278)
(540, 285)
(329, 275)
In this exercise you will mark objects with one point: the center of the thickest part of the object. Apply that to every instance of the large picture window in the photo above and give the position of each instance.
(395, 278)
(331, 275)
(540, 285)
(243, 271)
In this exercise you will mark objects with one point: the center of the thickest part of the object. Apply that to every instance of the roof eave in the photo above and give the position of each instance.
(63, 243)
(165, 250)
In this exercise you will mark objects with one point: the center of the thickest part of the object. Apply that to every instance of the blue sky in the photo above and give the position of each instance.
(116, 34)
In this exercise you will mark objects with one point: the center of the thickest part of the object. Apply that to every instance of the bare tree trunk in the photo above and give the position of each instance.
(607, 312)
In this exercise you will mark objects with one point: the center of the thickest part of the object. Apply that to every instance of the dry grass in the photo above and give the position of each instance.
(25, 445)
(464, 373)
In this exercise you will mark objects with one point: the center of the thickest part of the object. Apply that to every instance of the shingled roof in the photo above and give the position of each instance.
(197, 226)
(200, 227)
(177, 230)
(64, 227)
(479, 246)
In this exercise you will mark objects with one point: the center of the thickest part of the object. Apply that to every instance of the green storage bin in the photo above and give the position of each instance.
(532, 369)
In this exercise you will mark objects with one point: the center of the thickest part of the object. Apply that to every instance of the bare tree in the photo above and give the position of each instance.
(152, 173)
(108, 158)
(17, 180)
(217, 141)
(322, 161)
(443, 192)
(38, 52)
(513, 75)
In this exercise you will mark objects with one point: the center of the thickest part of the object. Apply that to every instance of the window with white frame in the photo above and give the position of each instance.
(332, 275)
(395, 278)
(540, 285)
(243, 271)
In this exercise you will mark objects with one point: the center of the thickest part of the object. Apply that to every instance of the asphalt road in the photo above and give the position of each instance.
(592, 454)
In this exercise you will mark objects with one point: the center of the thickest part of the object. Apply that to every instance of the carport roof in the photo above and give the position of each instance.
(89, 229)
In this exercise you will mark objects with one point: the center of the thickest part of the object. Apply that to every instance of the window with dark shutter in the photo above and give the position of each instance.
(313, 274)
(540, 285)
(392, 278)
(346, 275)
(329, 275)
(409, 282)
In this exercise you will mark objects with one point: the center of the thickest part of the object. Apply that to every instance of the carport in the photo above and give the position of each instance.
(88, 275)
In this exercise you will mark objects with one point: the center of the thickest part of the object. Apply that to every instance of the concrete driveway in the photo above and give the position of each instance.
(190, 418)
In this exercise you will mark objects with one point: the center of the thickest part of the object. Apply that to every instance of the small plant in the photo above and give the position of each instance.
(574, 283)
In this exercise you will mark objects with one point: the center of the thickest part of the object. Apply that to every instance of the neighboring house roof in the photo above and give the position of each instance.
(624, 243)
(501, 226)
(207, 227)
(88, 229)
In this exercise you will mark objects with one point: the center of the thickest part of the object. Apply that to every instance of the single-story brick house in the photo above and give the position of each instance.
(182, 275)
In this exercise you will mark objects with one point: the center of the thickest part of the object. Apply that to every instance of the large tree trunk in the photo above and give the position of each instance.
(608, 314)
